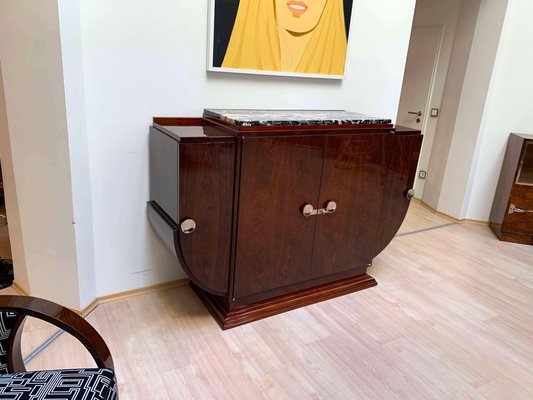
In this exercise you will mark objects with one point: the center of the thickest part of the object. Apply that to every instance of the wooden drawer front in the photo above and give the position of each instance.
(520, 222)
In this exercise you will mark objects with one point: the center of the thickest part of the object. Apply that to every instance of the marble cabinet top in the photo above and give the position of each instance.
(293, 117)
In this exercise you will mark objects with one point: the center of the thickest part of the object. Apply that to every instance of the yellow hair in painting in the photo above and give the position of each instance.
(254, 42)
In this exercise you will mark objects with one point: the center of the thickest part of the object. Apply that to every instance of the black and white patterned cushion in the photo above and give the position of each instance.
(73, 384)
(7, 322)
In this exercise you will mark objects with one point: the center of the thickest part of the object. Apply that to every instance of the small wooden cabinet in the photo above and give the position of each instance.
(267, 218)
(511, 217)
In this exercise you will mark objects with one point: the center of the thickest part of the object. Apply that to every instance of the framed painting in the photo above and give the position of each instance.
(307, 38)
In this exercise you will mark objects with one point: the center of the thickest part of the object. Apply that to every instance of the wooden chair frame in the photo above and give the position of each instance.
(57, 315)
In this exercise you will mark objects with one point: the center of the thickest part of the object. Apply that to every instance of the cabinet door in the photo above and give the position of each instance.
(274, 239)
(352, 177)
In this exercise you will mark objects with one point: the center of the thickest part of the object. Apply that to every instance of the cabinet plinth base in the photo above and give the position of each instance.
(513, 237)
(277, 305)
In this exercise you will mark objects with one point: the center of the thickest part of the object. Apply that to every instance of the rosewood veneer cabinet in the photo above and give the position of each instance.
(511, 217)
(268, 211)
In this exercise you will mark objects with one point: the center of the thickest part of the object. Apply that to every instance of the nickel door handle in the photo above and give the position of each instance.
(309, 210)
(417, 113)
(330, 207)
(410, 194)
(515, 209)
(188, 226)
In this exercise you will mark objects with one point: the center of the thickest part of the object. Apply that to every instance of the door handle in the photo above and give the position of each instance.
(409, 194)
(330, 207)
(188, 226)
(515, 209)
(417, 113)
(309, 210)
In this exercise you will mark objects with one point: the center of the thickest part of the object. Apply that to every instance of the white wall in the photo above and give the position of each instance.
(72, 61)
(148, 58)
(442, 14)
(10, 196)
(30, 56)
(457, 182)
(464, 35)
(509, 105)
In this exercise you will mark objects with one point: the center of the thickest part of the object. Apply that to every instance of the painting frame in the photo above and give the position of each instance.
(211, 50)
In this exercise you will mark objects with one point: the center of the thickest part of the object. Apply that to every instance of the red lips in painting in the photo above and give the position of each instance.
(297, 8)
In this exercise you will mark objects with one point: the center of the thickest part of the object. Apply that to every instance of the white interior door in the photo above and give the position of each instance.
(418, 81)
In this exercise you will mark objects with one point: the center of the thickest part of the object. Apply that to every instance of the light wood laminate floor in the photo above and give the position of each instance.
(421, 218)
(451, 318)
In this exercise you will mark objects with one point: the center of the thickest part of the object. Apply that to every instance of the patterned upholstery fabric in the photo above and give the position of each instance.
(74, 384)
(7, 322)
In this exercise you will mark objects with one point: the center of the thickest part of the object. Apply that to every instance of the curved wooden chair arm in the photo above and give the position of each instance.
(57, 315)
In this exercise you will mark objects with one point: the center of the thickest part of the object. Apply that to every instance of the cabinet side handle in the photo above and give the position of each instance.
(514, 209)
(188, 226)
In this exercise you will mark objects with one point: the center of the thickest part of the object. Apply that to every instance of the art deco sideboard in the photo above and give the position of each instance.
(268, 211)
(511, 217)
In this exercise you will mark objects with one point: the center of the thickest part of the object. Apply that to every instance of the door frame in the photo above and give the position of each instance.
(428, 140)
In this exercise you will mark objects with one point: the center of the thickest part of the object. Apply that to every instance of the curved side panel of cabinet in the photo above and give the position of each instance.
(400, 154)
(193, 181)
(168, 231)
(206, 185)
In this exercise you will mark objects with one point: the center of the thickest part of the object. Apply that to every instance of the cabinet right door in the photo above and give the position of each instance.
(367, 176)
(352, 177)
